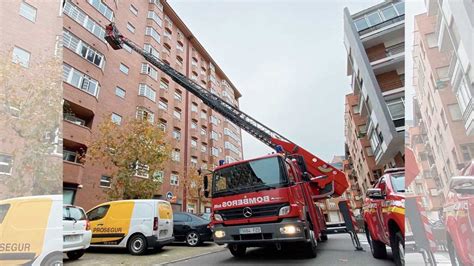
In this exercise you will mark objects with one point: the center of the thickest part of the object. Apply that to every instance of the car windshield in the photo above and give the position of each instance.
(73, 213)
(248, 176)
(398, 182)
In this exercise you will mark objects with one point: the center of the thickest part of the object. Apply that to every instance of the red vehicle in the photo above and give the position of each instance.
(384, 215)
(261, 202)
(459, 218)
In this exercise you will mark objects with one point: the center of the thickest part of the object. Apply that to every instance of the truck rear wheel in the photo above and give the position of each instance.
(237, 250)
(377, 248)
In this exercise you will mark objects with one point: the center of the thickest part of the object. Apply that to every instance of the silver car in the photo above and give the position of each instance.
(76, 231)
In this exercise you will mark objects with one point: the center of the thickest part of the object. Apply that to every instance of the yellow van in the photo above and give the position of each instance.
(31, 230)
(135, 224)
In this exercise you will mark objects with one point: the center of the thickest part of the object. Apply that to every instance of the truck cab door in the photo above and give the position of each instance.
(379, 220)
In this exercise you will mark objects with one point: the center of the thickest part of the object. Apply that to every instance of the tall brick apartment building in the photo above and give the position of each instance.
(100, 83)
(375, 110)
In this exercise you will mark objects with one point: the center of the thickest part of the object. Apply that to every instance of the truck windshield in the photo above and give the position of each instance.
(249, 176)
(398, 182)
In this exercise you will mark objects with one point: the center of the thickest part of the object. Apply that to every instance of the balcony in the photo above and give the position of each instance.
(76, 132)
(72, 172)
(79, 97)
(394, 59)
(385, 24)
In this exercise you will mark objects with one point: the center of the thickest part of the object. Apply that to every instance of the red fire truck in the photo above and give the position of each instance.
(268, 200)
(384, 215)
(459, 218)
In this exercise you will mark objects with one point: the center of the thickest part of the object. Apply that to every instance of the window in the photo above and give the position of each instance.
(27, 11)
(400, 7)
(443, 73)
(194, 107)
(369, 151)
(214, 120)
(463, 94)
(146, 91)
(134, 10)
(127, 48)
(232, 147)
(396, 108)
(177, 133)
(177, 96)
(80, 17)
(180, 46)
(105, 181)
(149, 31)
(174, 180)
(203, 131)
(215, 151)
(130, 27)
(231, 134)
(355, 109)
(203, 114)
(103, 9)
(214, 135)
(162, 104)
(193, 143)
(143, 113)
(157, 4)
(177, 113)
(374, 18)
(141, 170)
(162, 124)
(389, 12)
(152, 15)
(98, 213)
(176, 155)
(194, 161)
(120, 92)
(361, 24)
(150, 71)
(455, 112)
(123, 68)
(21, 57)
(203, 147)
(164, 84)
(363, 129)
(193, 124)
(6, 164)
(151, 50)
(158, 176)
(80, 80)
(70, 156)
(117, 119)
(81, 48)
(431, 39)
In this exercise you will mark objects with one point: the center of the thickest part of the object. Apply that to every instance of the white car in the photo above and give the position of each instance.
(76, 231)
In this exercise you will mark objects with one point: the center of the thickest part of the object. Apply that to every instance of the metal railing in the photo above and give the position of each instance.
(382, 24)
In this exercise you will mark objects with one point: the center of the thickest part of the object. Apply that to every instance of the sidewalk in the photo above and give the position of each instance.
(442, 258)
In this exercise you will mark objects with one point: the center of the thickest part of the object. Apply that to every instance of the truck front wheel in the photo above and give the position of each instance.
(237, 250)
(398, 248)
(311, 246)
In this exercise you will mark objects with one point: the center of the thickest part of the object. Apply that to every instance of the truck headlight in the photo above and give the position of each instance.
(284, 210)
(217, 217)
(219, 234)
(289, 229)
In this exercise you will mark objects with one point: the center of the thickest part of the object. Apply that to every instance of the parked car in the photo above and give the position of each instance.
(206, 216)
(384, 215)
(135, 224)
(77, 233)
(191, 228)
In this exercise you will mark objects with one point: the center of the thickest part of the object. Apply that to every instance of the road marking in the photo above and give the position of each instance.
(192, 257)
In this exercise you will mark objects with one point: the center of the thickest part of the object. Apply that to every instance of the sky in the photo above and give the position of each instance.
(288, 60)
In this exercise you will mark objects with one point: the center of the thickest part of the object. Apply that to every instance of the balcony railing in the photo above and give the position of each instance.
(382, 24)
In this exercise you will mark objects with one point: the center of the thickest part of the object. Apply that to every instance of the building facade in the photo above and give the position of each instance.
(439, 138)
(22, 22)
(452, 34)
(101, 83)
(375, 110)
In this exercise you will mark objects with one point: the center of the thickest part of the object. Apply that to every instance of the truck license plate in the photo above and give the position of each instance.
(250, 230)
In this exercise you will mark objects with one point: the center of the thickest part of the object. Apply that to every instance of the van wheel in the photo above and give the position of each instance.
(76, 254)
(398, 248)
(377, 248)
(237, 250)
(137, 245)
(193, 239)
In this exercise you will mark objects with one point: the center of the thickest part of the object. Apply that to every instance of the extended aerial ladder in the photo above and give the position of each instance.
(326, 180)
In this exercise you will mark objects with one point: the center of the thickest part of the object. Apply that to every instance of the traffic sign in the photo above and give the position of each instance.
(169, 195)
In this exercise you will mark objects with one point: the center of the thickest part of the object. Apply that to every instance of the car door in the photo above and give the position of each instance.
(98, 220)
(179, 225)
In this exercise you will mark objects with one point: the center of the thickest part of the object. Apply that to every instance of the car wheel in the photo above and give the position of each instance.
(453, 255)
(377, 248)
(75, 254)
(193, 239)
(237, 250)
(53, 259)
(398, 248)
(137, 245)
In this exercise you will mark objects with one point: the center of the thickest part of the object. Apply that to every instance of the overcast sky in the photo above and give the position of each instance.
(288, 60)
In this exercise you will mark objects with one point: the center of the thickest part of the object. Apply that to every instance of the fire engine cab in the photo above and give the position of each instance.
(384, 215)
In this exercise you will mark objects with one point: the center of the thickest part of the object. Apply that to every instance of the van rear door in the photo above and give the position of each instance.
(165, 220)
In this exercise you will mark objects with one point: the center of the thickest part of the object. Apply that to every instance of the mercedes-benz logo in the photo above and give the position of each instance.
(247, 212)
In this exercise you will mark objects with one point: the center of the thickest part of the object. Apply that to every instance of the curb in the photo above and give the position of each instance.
(192, 257)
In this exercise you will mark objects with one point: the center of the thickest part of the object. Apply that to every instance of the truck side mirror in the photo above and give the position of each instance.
(375, 193)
